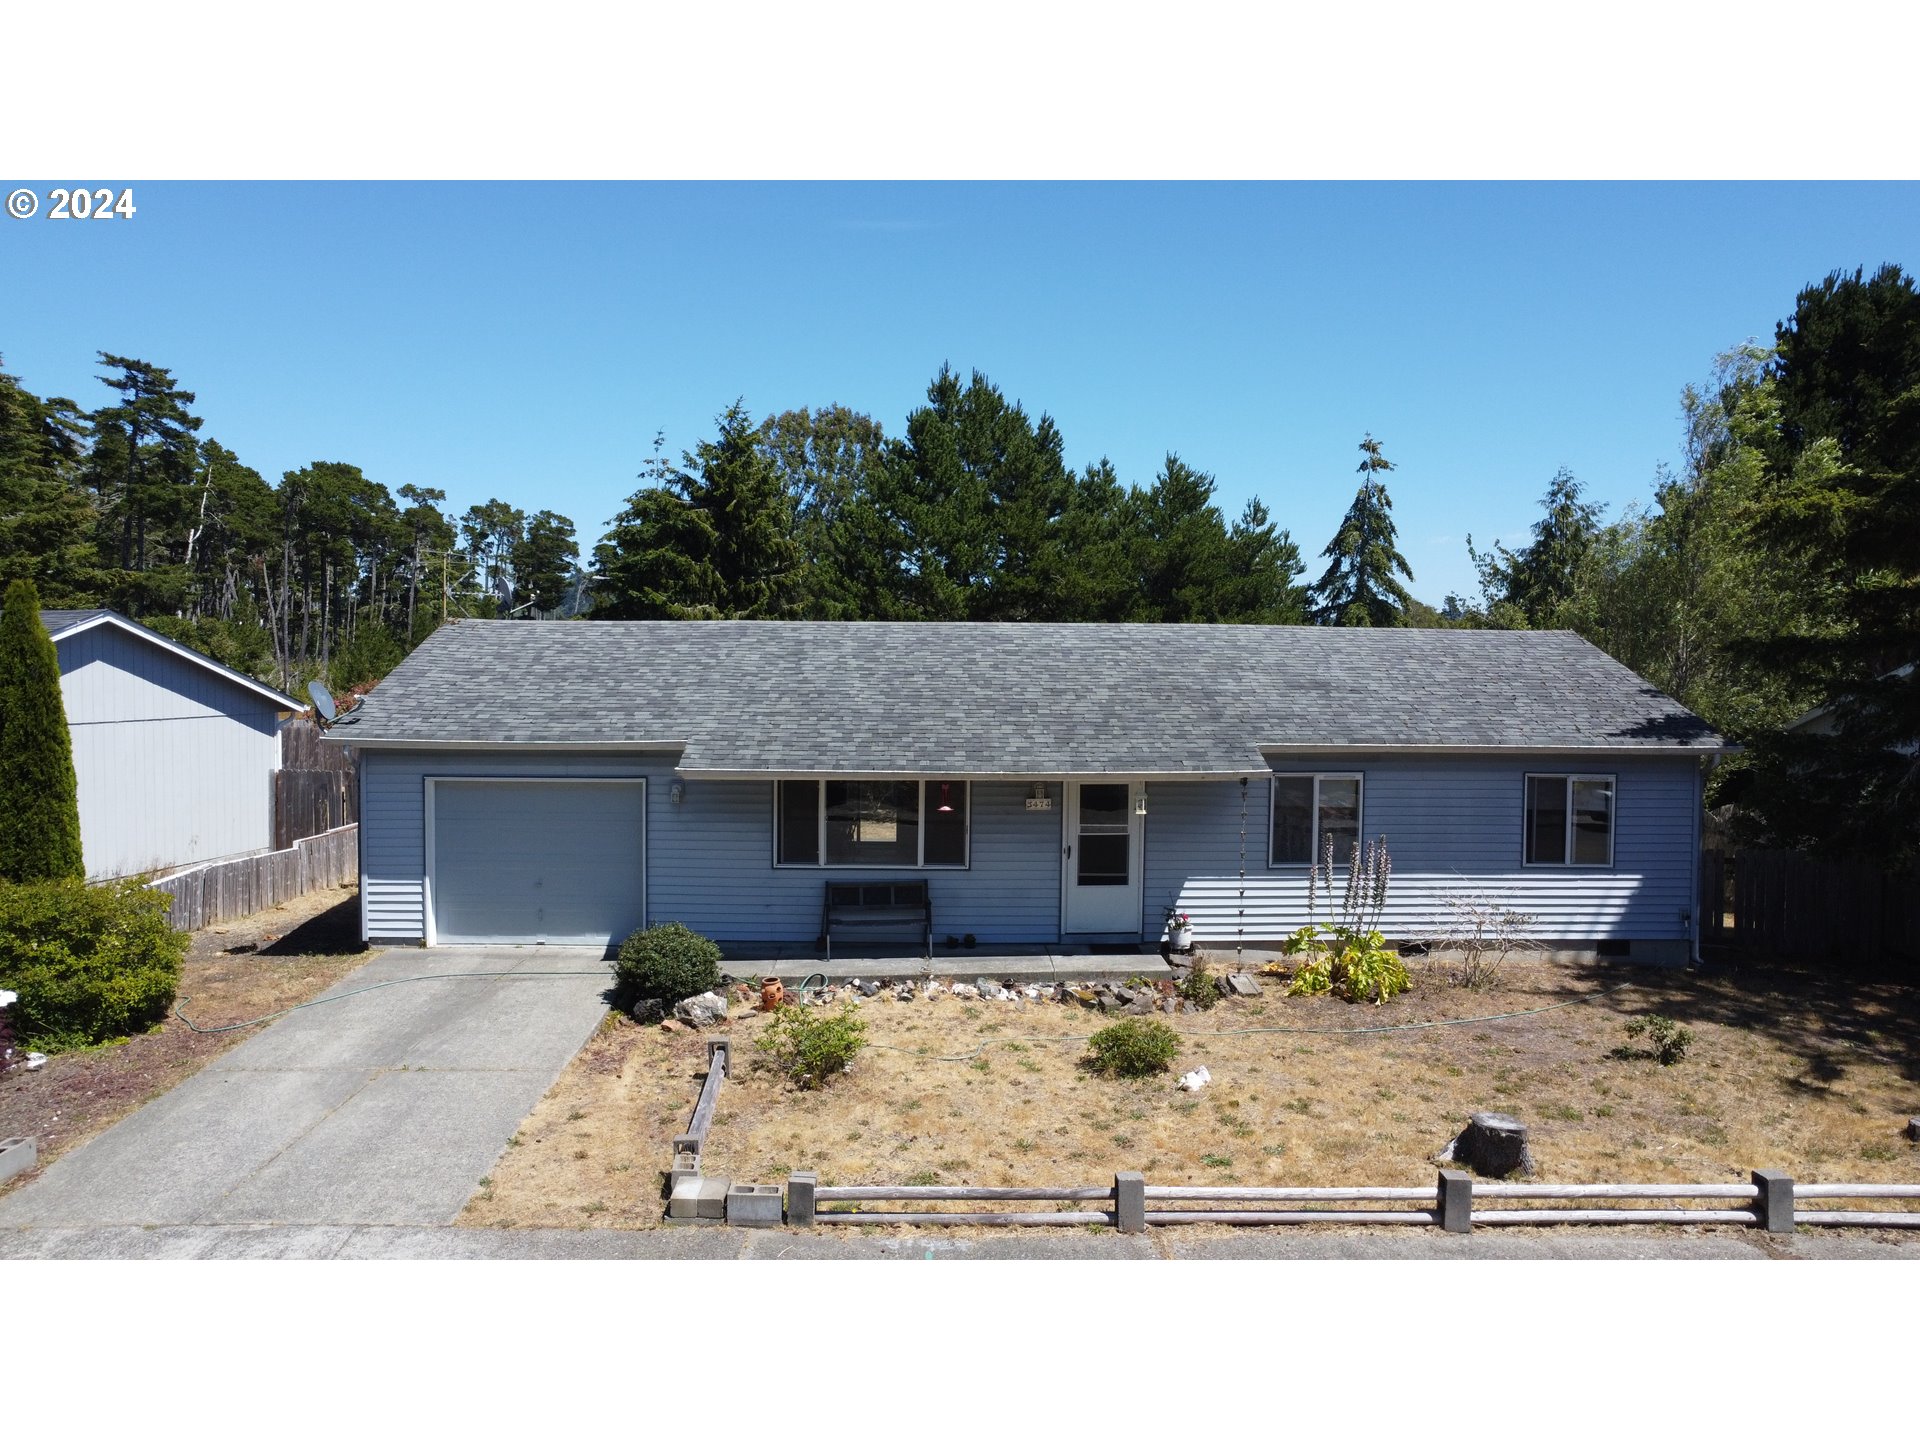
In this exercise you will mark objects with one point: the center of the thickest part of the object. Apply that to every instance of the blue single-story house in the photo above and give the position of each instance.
(526, 782)
(174, 753)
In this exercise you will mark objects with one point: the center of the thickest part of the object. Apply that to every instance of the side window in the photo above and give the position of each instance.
(1310, 810)
(1569, 820)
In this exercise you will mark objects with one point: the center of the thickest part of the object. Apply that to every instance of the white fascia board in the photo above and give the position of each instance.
(962, 773)
(342, 734)
(1717, 748)
(205, 662)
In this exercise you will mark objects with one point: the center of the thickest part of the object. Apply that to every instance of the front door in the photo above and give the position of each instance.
(1101, 886)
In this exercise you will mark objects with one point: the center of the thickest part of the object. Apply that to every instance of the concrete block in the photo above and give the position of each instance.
(1913, 1128)
(711, 1204)
(1774, 1204)
(1455, 1202)
(683, 1200)
(723, 1050)
(685, 1162)
(800, 1205)
(686, 1143)
(1130, 1202)
(754, 1205)
(1243, 985)
(20, 1152)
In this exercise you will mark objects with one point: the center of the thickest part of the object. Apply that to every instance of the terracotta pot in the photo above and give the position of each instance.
(772, 994)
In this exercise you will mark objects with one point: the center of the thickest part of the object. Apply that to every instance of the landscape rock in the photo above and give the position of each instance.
(672, 1027)
(868, 988)
(1195, 1079)
(964, 991)
(1244, 985)
(701, 1010)
(648, 1011)
(1087, 996)
(1493, 1145)
(989, 989)
(903, 992)
(1913, 1129)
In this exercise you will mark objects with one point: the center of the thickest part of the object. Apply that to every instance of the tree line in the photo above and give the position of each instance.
(1775, 569)
(326, 573)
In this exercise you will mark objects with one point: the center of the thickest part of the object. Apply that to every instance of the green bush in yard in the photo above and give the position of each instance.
(1133, 1048)
(90, 962)
(809, 1046)
(665, 963)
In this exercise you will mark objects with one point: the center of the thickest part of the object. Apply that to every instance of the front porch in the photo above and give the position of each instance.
(1069, 961)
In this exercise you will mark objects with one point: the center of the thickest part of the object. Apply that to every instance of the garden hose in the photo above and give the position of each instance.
(1291, 1029)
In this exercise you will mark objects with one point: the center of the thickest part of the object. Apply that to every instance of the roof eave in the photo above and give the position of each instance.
(185, 652)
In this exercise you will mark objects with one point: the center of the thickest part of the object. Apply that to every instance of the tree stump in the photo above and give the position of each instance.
(1491, 1145)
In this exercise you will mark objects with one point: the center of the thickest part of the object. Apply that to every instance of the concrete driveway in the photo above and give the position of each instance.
(381, 1109)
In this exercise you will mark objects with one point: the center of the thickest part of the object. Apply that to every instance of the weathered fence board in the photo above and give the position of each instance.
(1798, 905)
(229, 889)
(314, 789)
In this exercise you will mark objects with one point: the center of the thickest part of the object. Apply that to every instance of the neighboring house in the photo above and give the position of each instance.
(1053, 784)
(174, 753)
(1825, 719)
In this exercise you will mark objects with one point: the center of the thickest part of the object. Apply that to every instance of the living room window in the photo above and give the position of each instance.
(1569, 820)
(872, 824)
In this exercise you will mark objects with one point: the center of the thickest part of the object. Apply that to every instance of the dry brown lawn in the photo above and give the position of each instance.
(1789, 1068)
(233, 972)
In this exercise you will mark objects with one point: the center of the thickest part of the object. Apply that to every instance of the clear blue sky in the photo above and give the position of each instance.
(526, 341)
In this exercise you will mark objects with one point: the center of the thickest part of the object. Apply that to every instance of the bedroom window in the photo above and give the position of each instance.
(1309, 810)
(874, 824)
(1569, 820)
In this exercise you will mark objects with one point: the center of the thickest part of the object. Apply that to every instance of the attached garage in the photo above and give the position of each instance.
(535, 861)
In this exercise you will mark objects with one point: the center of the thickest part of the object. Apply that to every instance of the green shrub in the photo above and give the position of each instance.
(809, 1045)
(1359, 967)
(39, 808)
(90, 962)
(1198, 988)
(1133, 1047)
(665, 963)
(1669, 1041)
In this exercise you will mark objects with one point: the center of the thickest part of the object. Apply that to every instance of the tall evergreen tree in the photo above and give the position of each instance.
(46, 524)
(1361, 585)
(39, 804)
(544, 561)
(827, 460)
(1529, 588)
(142, 466)
(1839, 510)
(709, 539)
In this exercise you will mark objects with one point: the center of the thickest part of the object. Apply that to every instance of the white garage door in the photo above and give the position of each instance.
(559, 862)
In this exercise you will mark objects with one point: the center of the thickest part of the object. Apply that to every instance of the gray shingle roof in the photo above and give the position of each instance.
(58, 620)
(802, 697)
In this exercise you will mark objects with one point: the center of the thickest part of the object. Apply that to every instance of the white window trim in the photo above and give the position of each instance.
(820, 820)
(1359, 776)
(1612, 782)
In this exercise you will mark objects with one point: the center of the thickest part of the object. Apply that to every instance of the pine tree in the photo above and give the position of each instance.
(39, 805)
(710, 539)
(1361, 586)
(544, 561)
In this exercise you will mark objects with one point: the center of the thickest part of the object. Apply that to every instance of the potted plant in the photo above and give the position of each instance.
(1179, 930)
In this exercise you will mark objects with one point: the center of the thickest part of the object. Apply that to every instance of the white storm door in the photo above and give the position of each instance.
(1101, 884)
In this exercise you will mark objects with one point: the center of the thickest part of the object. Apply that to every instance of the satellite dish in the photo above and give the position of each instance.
(323, 702)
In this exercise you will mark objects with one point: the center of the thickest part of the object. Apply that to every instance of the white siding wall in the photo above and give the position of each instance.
(1452, 825)
(175, 764)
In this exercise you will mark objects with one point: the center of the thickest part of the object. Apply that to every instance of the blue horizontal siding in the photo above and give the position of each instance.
(710, 859)
(1453, 826)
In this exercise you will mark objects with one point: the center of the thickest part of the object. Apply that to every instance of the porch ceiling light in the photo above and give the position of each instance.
(945, 807)
(1140, 802)
(677, 792)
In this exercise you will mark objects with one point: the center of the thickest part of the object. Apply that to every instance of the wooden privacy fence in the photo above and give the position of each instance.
(1770, 1202)
(229, 889)
(313, 790)
(1798, 905)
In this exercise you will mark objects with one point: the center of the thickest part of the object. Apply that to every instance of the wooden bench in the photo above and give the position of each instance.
(885, 905)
